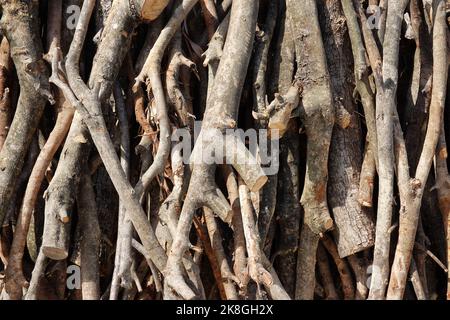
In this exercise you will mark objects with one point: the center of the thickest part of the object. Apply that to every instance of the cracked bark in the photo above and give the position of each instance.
(22, 32)
(354, 228)
(317, 114)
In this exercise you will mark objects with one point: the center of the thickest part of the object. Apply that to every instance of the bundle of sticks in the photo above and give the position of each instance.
(219, 149)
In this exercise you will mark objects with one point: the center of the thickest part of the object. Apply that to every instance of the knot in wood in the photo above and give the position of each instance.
(416, 184)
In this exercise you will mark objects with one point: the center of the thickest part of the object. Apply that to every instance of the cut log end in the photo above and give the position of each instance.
(328, 224)
(443, 153)
(55, 253)
(151, 9)
(258, 184)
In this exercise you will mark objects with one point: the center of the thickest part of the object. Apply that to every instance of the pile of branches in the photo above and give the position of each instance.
(122, 176)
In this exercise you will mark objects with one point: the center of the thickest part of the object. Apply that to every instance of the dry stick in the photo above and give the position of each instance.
(419, 92)
(282, 192)
(97, 127)
(284, 64)
(192, 263)
(281, 76)
(186, 79)
(36, 276)
(386, 104)
(193, 271)
(280, 83)
(213, 54)
(418, 103)
(56, 137)
(14, 273)
(276, 290)
(317, 113)
(427, 252)
(171, 207)
(5, 101)
(325, 274)
(174, 94)
(32, 155)
(152, 71)
(256, 270)
(211, 19)
(355, 229)
(215, 47)
(335, 47)
(143, 149)
(359, 268)
(61, 193)
(268, 197)
(381, 32)
(221, 113)
(420, 255)
(140, 248)
(91, 113)
(288, 209)
(348, 287)
(404, 181)
(367, 97)
(5, 120)
(138, 100)
(371, 49)
(416, 282)
(20, 25)
(372, 52)
(123, 259)
(90, 240)
(239, 250)
(130, 294)
(126, 229)
(367, 179)
(229, 279)
(408, 187)
(170, 210)
(278, 112)
(409, 221)
(204, 238)
(264, 37)
(427, 8)
(443, 190)
(63, 188)
(361, 69)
